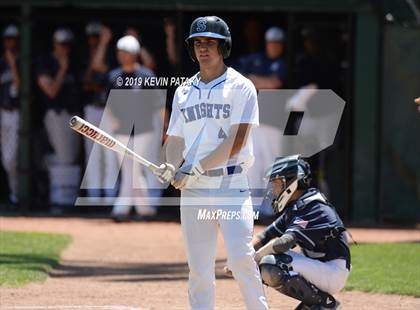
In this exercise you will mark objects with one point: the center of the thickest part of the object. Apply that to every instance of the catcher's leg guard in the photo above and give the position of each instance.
(276, 271)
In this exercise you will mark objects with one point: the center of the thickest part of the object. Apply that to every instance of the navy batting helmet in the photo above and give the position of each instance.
(211, 27)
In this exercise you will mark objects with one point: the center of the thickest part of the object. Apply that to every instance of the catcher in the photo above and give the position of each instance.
(306, 219)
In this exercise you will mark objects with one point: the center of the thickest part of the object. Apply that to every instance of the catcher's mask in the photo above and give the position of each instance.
(286, 175)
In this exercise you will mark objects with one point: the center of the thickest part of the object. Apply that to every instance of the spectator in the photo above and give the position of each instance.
(315, 69)
(60, 92)
(146, 57)
(101, 162)
(169, 28)
(9, 105)
(267, 69)
(253, 34)
(133, 178)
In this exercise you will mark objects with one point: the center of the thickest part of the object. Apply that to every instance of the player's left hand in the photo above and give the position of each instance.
(265, 250)
(186, 174)
(227, 272)
(165, 172)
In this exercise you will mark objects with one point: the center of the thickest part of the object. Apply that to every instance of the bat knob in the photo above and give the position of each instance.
(73, 121)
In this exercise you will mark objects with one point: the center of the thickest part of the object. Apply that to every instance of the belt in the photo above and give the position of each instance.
(223, 171)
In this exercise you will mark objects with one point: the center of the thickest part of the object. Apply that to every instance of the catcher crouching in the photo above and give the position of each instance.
(306, 219)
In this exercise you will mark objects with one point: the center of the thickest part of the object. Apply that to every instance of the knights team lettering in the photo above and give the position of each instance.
(206, 110)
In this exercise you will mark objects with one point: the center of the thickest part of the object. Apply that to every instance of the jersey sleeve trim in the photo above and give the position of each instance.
(276, 228)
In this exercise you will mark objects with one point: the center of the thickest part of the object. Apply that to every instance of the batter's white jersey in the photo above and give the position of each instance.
(202, 114)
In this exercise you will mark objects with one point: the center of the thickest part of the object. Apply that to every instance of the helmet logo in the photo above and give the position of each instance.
(201, 25)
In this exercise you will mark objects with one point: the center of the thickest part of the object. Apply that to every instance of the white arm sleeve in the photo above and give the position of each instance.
(176, 120)
(245, 105)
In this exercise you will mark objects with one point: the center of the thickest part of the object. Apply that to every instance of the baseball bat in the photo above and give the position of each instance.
(99, 136)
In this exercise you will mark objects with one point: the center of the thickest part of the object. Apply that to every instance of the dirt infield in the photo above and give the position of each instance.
(143, 266)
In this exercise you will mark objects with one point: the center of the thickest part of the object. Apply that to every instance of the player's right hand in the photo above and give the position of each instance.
(165, 172)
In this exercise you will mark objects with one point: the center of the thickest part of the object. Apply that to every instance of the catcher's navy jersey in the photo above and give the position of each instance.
(316, 226)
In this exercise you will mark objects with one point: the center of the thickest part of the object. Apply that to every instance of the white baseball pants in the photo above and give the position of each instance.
(134, 186)
(64, 141)
(200, 237)
(329, 276)
(9, 147)
(102, 164)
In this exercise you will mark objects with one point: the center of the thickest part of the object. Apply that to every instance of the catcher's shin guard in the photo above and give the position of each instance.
(276, 272)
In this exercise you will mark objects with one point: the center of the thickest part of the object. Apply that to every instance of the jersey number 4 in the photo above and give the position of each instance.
(222, 134)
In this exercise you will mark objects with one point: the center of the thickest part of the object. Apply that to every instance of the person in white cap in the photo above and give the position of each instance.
(267, 70)
(101, 161)
(130, 75)
(9, 107)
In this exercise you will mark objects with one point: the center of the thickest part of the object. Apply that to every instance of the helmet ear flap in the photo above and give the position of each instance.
(225, 47)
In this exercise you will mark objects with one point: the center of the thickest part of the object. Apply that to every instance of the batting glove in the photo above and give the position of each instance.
(165, 173)
(187, 173)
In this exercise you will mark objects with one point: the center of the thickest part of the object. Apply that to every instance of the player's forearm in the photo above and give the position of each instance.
(266, 235)
(171, 50)
(147, 59)
(284, 243)
(262, 82)
(98, 61)
(49, 86)
(15, 76)
(57, 83)
(220, 155)
(172, 151)
(231, 146)
(276, 246)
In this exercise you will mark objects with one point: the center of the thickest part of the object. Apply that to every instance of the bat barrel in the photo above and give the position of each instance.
(101, 137)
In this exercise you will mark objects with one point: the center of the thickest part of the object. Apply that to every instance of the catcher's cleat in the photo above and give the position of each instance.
(335, 305)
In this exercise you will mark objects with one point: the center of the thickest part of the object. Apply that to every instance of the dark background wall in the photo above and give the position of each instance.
(374, 162)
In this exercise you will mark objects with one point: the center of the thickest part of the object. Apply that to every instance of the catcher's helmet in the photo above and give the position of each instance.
(211, 27)
(286, 175)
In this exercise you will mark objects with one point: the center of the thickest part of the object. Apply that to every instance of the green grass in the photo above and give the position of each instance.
(27, 257)
(392, 268)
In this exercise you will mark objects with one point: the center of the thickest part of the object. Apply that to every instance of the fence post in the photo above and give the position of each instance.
(25, 109)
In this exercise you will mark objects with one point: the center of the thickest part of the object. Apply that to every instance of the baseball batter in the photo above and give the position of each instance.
(208, 134)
